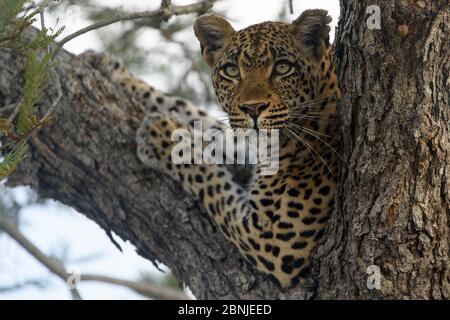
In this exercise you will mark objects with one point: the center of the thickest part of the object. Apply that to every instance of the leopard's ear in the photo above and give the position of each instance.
(213, 32)
(311, 32)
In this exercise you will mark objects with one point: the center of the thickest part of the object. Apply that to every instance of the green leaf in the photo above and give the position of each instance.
(9, 9)
(37, 75)
(12, 159)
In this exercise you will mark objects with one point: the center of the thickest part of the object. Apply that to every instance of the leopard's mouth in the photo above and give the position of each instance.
(264, 122)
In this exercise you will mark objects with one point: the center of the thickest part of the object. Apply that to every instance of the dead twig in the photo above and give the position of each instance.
(50, 263)
(166, 11)
(56, 267)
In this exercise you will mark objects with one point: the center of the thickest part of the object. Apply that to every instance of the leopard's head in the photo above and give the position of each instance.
(263, 74)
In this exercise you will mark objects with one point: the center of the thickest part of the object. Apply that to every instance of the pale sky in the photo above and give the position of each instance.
(55, 228)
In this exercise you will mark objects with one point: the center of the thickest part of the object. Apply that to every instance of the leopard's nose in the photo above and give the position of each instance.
(253, 109)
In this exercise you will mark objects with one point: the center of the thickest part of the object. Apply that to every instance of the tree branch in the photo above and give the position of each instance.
(166, 11)
(87, 160)
(143, 288)
(50, 263)
(56, 267)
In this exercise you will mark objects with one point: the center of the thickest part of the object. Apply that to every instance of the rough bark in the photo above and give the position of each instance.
(394, 197)
(393, 204)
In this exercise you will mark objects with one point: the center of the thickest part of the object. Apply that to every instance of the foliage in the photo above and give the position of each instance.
(9, 9)
(15, 134)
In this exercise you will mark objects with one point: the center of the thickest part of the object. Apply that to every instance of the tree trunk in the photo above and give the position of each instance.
(393, 204)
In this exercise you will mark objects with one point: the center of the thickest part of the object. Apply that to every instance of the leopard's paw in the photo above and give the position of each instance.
(154, 144)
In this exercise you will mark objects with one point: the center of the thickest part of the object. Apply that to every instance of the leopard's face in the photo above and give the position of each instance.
(261, 78)
(264, 74)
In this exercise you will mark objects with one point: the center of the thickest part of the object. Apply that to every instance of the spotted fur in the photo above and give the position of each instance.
(277, 220)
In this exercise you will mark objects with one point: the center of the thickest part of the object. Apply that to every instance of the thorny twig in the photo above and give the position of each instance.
(53, 71)
(8, 107)
(13, 114)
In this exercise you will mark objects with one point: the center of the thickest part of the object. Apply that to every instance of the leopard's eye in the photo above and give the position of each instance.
(282, 68)
(231, 71)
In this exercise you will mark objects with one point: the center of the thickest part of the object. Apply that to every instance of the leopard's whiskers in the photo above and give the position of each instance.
(314, 134)
(311, 150)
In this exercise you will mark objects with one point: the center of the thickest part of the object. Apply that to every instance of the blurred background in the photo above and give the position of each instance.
(165, 55)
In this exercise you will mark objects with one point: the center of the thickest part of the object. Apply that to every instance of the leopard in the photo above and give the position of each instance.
(274, 76)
